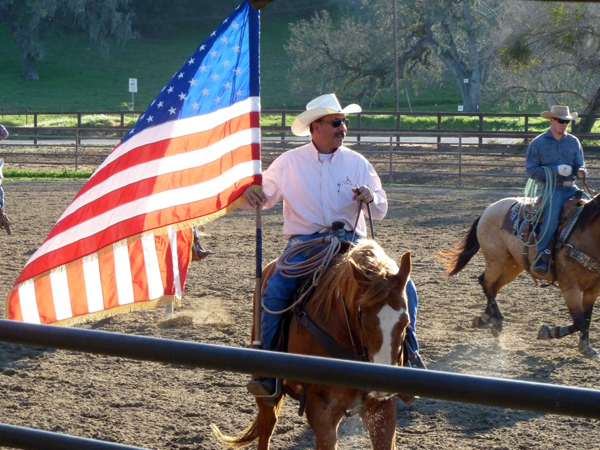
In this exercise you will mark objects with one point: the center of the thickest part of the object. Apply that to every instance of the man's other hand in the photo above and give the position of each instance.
(363, 194)
(254, 197)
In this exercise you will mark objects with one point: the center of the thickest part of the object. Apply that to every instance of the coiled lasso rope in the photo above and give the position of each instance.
(532, 215)
(315, 265)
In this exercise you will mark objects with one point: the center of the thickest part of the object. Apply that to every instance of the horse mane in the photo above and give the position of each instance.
(374, 266)
(591, 211)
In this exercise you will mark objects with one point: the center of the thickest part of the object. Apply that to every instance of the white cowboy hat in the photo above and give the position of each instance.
(559, 112)
(320, 107)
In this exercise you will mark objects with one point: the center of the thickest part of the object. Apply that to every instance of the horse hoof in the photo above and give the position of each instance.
(588, 351)
(496, 331)
(478, 322)
(544, 333)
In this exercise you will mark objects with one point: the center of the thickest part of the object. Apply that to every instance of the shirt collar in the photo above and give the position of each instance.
(315, 153)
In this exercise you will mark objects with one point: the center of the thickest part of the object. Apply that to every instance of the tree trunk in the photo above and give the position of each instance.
(471, 94)
(29, 68)
(586, 124)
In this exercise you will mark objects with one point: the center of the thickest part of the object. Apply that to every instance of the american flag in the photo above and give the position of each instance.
(124, 243)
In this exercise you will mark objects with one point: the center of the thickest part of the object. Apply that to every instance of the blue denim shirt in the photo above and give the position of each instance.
(545, 150)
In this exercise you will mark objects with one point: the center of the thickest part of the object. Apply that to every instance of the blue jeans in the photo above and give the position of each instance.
(551, 218)
(280, 292)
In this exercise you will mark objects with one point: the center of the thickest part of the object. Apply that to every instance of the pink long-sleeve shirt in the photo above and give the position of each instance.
(316, 190)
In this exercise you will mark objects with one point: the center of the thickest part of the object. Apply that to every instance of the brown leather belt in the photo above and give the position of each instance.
(566, 183)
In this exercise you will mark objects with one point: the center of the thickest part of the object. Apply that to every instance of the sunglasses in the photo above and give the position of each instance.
(562, 122)
(335, 123)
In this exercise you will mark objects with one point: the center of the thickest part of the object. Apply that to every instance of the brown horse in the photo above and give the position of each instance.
(578, 280)
(360, 300)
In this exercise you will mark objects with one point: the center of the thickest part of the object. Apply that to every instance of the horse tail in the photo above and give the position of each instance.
(250, 434)
(456, 258)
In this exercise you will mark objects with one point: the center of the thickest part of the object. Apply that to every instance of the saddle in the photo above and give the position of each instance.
(515, 223)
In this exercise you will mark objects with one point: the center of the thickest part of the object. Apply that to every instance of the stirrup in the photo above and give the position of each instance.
(269, 397)
(414, 361)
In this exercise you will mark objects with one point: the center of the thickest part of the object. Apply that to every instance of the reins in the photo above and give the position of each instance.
(315, 265)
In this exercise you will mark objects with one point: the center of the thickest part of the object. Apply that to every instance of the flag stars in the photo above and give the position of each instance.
(202, 68)
(160, 104)
(150, 119)
(228, 85)
(235, 25)
(226, 63)
(236, 48)
(172, 110)
(205, 91)
(182, 96)
(213, 54)
(214, 76)
(180, 76)
(170, 90)
(213, 34)
(192, 82)
(238, 93)
(224, 40)
(191, 61)
(195, 105)
(217, 100)
(237, 71)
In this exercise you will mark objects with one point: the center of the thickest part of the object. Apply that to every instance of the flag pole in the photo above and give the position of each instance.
(256, 343)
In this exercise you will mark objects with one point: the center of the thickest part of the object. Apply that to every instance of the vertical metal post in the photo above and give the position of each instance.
(526, 140)
(256, 342)
(358, 126)
(460, 160)
(35, 133)
(76, 149)
(283, 126)
(396, 74)
(391, 158)
(480, 130)
(439, 128)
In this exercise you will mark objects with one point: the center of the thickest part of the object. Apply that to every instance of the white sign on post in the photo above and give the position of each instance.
(460, 108)
(133, 90)
(133, 85)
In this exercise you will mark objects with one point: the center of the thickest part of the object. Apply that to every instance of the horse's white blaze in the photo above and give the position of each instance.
(388, 318)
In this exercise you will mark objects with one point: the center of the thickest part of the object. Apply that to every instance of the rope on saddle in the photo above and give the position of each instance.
(533, 216)
(316, 264)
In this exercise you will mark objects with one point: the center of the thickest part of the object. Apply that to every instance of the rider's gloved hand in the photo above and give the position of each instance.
(564, 170)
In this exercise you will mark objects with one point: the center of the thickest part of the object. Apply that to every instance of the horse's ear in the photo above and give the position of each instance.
(405, 269)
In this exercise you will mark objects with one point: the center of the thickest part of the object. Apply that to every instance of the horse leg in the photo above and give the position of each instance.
(584, 335)
(324, 414)
(581, 308)
(379, 417)
(491, 281)
(266, 421)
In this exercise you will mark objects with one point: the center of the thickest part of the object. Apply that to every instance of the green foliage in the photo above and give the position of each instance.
(516, 55)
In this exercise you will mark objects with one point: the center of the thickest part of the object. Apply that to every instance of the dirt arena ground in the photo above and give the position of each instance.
(171, 407)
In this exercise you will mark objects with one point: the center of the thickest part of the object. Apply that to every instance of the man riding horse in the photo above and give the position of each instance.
(557, 156)
(320, 183)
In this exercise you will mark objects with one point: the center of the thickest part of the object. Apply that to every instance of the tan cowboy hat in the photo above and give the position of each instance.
(320, 107)
(559, 112)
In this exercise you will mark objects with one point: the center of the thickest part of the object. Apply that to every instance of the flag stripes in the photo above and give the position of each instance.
(156, 192)
(114, 277)
(125, 241)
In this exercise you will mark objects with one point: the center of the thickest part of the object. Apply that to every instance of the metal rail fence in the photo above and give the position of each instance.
(523, 395)
(400, 155)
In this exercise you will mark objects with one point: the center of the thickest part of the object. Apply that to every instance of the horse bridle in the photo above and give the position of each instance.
(364, 353)
(332, 347)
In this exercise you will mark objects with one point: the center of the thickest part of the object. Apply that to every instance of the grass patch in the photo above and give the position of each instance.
(46, 174)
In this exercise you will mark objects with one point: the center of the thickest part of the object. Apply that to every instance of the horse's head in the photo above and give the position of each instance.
(363, 299)
(382, 303)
